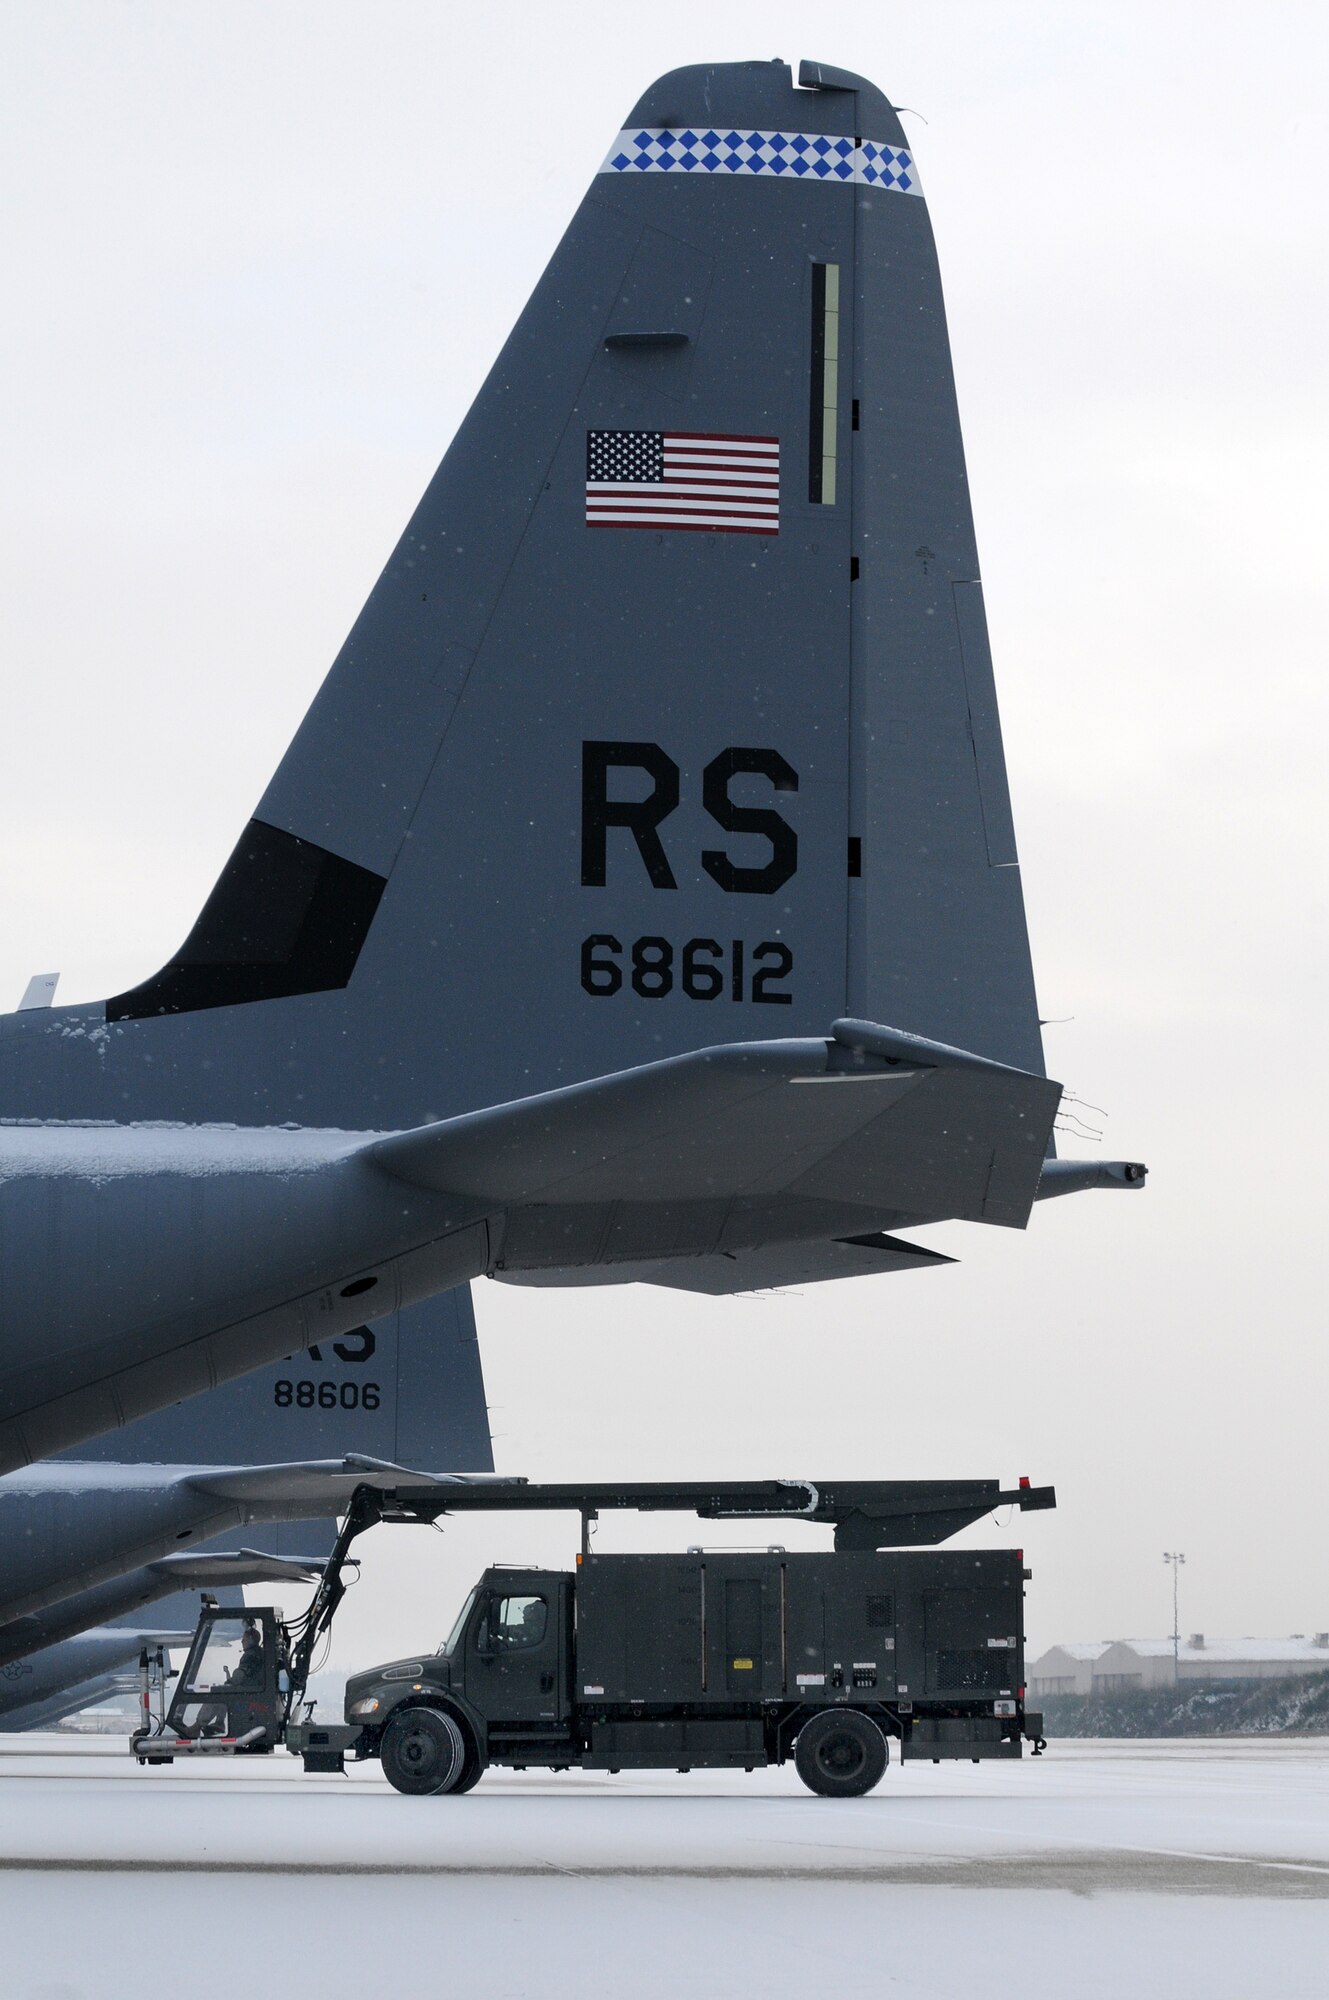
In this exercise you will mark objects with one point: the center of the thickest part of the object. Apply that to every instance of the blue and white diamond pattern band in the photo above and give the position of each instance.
(800, 156)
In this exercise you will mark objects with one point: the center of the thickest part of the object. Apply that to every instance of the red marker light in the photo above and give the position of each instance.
(1024, 1481)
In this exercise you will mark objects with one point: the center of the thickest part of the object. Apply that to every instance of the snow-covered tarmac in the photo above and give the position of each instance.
(1178, 1869)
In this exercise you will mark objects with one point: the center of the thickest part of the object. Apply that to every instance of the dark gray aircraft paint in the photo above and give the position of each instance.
(69, 1660)
(688, 1171)
(541, 732)
(668, 730)
(71, 1543)
(35, 1693)
(79, 1551)
(61, 1612)
(407, 1388)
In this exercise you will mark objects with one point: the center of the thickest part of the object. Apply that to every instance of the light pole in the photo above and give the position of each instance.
(1176, 1560)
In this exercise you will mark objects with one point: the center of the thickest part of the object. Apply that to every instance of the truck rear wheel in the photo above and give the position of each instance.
(840, 1753)
(423, 1751)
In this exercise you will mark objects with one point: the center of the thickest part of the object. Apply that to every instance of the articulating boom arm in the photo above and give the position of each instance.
(865, 1513)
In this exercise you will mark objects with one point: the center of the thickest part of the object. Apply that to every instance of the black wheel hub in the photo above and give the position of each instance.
(840, 1754)
(419, 1752)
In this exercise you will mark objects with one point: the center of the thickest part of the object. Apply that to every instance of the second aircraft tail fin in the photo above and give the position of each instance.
(407, 1388)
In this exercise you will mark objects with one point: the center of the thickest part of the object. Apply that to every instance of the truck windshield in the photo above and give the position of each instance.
(455, 1634)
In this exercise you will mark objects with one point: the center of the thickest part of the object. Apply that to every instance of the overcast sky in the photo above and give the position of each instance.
(257, 260)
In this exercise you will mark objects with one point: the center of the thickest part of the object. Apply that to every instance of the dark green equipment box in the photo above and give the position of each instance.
(707, 1631)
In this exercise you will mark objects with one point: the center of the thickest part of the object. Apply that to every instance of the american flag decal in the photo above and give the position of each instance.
(683, 479)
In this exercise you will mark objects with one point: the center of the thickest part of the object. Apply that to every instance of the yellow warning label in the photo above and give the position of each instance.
(744, 1663)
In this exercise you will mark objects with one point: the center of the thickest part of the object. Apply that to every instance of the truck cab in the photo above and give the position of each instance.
(504, 1673)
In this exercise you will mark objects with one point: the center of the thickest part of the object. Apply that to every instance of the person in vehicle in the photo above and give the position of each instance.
(249, 1668)
(533, 1622)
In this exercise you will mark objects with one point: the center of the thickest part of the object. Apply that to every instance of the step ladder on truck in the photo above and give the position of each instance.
(723, 1658)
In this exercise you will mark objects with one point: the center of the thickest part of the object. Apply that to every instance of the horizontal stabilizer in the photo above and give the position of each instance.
(759, 1146)
(748, 1146)
(1071, 1176)
(140, 1636)
(688, 1128)
(774, 1267)
(324, 1485)
(229, 1568)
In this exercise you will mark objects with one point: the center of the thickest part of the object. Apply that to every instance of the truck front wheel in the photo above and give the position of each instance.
(473, 1769)
(423, 1751)
(840, 1753)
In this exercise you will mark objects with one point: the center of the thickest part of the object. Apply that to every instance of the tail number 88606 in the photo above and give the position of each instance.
(309, 1395)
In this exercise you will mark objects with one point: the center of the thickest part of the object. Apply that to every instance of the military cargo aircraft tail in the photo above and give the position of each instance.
(670, 720)
(660, 777)
(408, 1387)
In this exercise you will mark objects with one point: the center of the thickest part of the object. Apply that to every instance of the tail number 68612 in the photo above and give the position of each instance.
(701, 969)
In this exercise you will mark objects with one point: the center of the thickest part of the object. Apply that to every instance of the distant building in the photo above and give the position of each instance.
(1111, 1666)
(1065, 1669)
(110, 1718)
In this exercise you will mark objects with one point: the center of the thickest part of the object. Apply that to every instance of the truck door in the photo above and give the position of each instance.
(742, 1634)
(516, 1665)
(744, 1628)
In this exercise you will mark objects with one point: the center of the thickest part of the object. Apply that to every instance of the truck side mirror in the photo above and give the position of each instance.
(485, 1648)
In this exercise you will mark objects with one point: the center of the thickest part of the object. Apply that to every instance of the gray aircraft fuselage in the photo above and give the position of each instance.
(78, 1538)
(37, 1691)
(669, 732)
(49, 1655)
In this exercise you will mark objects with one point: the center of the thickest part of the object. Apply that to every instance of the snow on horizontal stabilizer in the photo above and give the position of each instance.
(323, 1485)
(895, 1045)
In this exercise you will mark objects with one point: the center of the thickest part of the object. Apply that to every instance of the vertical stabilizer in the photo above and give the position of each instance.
(670, 721)
(408, 1389)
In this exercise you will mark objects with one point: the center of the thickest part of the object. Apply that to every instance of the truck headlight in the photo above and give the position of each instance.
(365, 1707)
